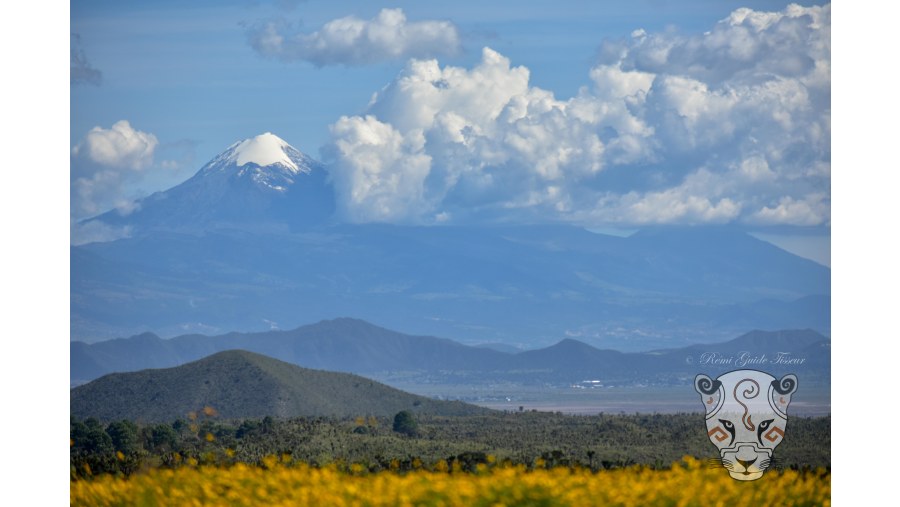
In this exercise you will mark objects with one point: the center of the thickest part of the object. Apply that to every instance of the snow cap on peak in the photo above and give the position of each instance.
(263, 150)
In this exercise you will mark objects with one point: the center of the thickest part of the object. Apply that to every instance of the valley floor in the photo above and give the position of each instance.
(809, 401)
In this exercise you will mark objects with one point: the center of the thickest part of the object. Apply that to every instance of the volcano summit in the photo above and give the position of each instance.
(256, 182)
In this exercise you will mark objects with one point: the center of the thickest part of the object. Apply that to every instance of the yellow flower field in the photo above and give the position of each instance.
(688, 483)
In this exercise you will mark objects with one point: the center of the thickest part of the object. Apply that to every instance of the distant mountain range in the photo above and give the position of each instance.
(251, 243)
(239, 384)
(355, 346)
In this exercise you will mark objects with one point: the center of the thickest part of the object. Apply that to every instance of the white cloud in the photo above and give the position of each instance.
(808, 210)
(354, 41)
(732, 125)
(104, 163)
(703, 197)
(673, 206)
(119, 147)
(382, 171)
(468, 138)
(794, 43)
(96, 231)
(100, 192)
(613, 83)
(756, 169)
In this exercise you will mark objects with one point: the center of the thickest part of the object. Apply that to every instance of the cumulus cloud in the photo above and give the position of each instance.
(732, 125)
(99, 192)
(384, 171)
(807, 210)
(81, 71)
(120, 146)
(456, 138)
(354, 41)
(104, 162)
(746, 46)
(701, 199)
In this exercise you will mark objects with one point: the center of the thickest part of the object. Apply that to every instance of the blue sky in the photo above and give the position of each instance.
(189, 72)
(601, 114)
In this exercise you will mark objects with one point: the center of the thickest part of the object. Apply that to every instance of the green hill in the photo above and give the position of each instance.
(241, 384)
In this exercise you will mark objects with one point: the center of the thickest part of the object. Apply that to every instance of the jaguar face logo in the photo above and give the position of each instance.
(746, 418)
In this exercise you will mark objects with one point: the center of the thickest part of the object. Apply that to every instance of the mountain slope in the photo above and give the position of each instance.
(764, 340)
(240, 384)
(257, 182)
(347, 345)
(520, 285)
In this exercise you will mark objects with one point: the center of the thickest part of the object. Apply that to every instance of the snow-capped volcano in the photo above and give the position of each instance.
(266, 159)
(259, 180)
(265, 150)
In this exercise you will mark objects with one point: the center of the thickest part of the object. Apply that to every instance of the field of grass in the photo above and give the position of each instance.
(284, 482)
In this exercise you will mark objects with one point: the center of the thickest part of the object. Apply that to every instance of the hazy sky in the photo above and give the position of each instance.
(602, 114)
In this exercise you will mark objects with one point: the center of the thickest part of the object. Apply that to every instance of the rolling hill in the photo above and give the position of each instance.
(241, 384)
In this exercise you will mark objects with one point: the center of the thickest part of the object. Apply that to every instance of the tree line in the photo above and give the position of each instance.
(410, 440)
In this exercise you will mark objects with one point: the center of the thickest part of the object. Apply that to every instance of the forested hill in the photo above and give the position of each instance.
(240, 384)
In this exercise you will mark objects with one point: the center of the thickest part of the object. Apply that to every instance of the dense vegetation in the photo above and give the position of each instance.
(369, 443)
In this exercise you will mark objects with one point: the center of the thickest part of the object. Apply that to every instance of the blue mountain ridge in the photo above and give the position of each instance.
(355, 346)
